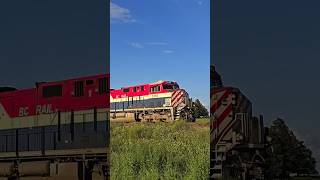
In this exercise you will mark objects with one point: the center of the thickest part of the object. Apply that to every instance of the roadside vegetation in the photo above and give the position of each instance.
(178, 150)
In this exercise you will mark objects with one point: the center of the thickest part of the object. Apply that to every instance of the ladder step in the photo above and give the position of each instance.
(219, 151)
(216, 176)
(218, 159)
(217, 163)
(217, 166)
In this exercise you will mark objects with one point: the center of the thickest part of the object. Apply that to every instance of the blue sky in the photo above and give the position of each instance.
(52, 40)
(161, 40)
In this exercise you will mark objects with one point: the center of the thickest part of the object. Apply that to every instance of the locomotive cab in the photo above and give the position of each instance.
(170, 86)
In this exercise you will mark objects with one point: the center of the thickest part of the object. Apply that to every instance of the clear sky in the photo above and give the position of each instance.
(161, 40)
(43, 40)
(271, 51)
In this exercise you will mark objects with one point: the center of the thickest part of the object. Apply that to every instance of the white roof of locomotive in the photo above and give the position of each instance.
(161, 81)
(158, 82)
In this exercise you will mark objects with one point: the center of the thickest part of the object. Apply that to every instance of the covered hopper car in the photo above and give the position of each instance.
(55, 126)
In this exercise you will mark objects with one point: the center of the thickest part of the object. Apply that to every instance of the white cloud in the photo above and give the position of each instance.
(136, 45)
(120, 14)
(156, 43)
(167, 51)
(140, 45)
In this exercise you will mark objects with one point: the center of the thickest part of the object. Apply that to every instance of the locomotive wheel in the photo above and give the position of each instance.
(257, 166)
(136, 117)
(234, 168)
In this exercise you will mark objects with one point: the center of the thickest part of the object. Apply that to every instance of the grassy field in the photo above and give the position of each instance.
(176, 150)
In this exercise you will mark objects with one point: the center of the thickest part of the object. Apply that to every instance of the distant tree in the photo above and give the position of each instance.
(199, 110)
(287, 154)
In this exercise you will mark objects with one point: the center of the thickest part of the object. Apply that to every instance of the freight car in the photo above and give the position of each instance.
(56, 129)
(158, 101)
(238, 140)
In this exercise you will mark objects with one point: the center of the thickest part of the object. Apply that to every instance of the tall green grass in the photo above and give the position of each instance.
(176, 150)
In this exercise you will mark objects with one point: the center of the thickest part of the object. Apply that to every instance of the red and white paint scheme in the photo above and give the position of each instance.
(55, 124)
(178, 98)
(146, 91)
(157, 96)
(227, 104)
(237, 138)
(20, 106)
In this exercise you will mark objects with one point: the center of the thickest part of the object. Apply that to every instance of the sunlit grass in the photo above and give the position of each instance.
(203, 121)
(176, 150)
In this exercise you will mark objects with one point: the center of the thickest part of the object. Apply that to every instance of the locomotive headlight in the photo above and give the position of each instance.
(225, 102)
(269, 139)
(240, 137)
(234, 99)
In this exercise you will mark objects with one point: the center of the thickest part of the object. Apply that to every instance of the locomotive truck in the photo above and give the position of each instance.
(56, 130)
(238, 139)
(159, 101)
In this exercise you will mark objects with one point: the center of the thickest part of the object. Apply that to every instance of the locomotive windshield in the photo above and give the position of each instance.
(171, 86)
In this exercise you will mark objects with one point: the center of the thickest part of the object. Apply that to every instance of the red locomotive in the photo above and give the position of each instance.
(56, 123)
(159, 101)
(237, 138)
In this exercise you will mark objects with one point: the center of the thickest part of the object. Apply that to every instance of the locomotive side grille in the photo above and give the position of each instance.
(103, 85)
(78, 88)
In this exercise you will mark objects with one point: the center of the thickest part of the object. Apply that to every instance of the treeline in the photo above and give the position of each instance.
(287, 155)
(199, 110)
